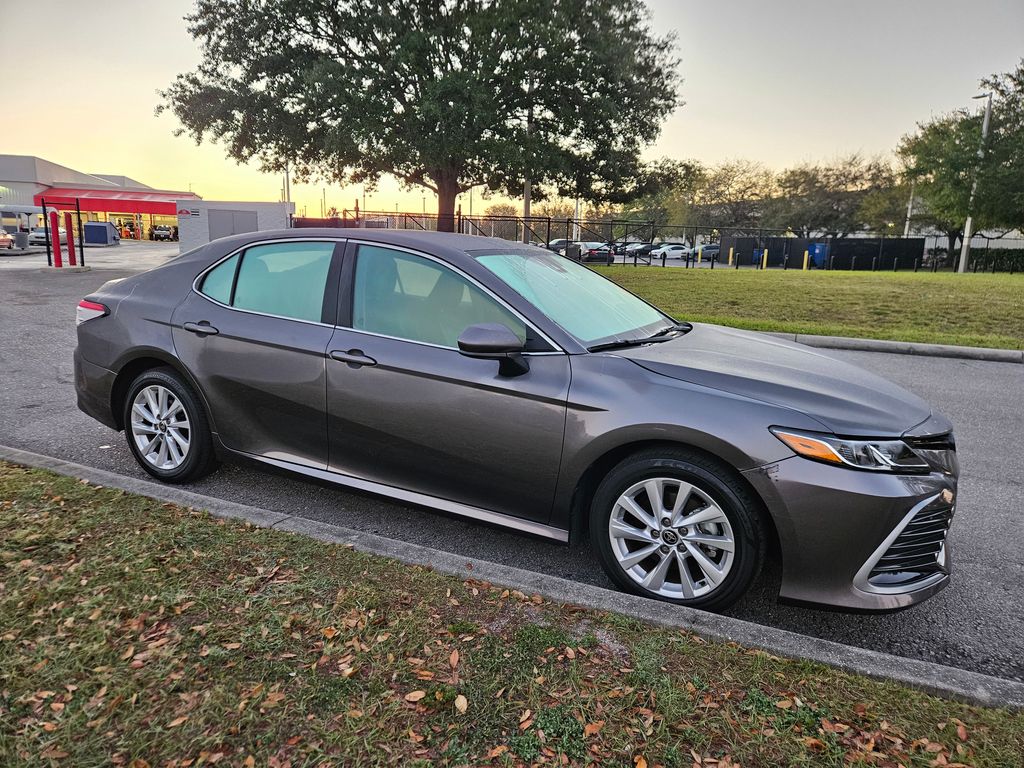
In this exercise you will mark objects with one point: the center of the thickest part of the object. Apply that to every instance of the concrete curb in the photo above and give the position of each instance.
(937, 679)
(904, 347)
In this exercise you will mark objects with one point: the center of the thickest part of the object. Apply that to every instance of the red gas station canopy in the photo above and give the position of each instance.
(115, 200)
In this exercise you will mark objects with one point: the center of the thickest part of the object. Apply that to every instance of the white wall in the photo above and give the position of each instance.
(194, 221)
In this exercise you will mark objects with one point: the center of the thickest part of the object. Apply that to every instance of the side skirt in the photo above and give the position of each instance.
(422, 499)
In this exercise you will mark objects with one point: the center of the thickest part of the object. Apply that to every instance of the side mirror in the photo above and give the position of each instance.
(494, 341)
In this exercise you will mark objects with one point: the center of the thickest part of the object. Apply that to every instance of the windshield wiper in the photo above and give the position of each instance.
(663, 335)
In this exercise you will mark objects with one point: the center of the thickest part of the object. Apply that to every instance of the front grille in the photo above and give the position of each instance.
(916, 553)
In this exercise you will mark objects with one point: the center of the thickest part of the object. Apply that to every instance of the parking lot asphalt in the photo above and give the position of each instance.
(977, 623)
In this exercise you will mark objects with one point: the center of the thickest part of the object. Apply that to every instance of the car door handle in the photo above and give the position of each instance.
(200, 329)
(352, 357)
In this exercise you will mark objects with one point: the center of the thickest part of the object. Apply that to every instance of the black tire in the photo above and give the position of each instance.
(200, 458)
(714, 478)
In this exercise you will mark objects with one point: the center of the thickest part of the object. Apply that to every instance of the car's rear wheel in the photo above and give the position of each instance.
(166, 427)
(677, 525)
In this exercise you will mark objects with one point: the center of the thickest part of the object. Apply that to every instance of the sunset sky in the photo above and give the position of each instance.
(781, 82)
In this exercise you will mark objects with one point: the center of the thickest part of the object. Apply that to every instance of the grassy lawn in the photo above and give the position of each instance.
(135, 633)
(971, 310)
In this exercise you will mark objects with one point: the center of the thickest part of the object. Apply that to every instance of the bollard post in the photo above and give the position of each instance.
(730, 256)
(764, 259)
(874, 263)
(807, 258)
(895, 263)
(917, 263)
(55, 240)
(853, 263)
(663, 258)
(714, 258)
(700, 256)
(71, 239)
(81, 235)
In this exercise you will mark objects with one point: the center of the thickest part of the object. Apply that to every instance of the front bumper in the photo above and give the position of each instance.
(844, 533)
(93, 387)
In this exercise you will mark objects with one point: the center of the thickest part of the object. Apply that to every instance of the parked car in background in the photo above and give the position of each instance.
(672, 251)
(557, 245)
(506, 384)
(709, 251)
(6, 240)
(597, 252)
(161, 232)
(38, 236)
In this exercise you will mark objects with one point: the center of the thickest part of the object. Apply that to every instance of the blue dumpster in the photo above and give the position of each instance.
(101, 233)
(819, 255)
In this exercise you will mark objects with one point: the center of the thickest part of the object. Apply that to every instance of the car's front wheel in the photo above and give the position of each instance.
(166, 427)
(677, 525)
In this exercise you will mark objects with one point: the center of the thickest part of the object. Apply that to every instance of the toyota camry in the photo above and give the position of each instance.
(507, 384)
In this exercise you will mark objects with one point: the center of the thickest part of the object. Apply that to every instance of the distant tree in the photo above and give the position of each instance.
(445, 95)
(672, 199)
(942, 160)
(734, 194)
(828, 198)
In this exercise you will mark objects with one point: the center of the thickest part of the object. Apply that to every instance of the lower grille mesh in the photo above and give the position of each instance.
(915, 554)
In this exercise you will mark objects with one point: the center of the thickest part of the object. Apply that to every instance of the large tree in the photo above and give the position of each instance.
(944, 156)
(444, 94)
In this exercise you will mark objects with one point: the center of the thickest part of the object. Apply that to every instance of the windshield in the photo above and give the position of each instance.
(580, 301)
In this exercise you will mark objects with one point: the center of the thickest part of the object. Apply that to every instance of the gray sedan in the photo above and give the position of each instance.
(507, 384)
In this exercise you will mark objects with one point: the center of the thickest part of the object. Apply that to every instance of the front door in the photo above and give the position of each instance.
(255, 338)
(406, 409)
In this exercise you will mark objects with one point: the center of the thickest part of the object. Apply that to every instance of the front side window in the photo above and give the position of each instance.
(409, 297)
(283, 279)
(580, 301)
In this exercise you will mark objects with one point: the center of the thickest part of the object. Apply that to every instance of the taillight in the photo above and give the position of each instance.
(89, 310)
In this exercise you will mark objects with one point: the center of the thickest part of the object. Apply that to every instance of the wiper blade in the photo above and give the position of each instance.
(663, 335)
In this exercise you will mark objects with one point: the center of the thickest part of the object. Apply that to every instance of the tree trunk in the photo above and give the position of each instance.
(954, 254)
(447, 191)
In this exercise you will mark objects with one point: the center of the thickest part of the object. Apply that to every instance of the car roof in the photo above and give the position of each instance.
(452, 246)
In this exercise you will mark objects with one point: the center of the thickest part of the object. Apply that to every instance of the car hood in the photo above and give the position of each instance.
(847, 400)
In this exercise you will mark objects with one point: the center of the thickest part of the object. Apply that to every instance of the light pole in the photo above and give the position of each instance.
(965, 246)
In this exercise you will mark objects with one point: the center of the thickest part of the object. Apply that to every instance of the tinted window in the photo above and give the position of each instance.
(410, 297)
(217, 283)
(285, 279)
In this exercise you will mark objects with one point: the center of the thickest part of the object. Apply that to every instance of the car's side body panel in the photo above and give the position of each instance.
(263, 376)
(431, 420)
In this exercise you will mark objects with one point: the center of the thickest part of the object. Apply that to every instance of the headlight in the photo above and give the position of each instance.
(877, 455)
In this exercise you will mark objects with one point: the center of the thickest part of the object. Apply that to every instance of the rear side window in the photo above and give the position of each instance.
(283, 279)
(218, 281)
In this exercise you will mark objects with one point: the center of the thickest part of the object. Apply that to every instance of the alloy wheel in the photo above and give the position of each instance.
(671, 538)
(160, 427)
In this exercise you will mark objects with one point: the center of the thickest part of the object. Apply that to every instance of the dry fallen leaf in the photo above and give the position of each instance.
(177, 721)
(640, 762)
(461, 703)
(454, 658)
(415, 695)
(592, 728)
(329, 632)
(498, 750)
(784, 704)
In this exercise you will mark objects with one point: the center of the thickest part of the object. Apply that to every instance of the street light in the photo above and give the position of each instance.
(965, 246)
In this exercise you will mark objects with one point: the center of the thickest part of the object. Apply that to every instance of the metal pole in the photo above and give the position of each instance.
(46, 232)
(965, 247)
(910, 210)
(81, 238)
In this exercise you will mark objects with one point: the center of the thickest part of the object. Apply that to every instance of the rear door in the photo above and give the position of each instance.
(408, 410)
(254, 335)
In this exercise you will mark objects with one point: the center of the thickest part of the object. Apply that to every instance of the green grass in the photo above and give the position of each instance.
(135, 633)
(978, 310)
